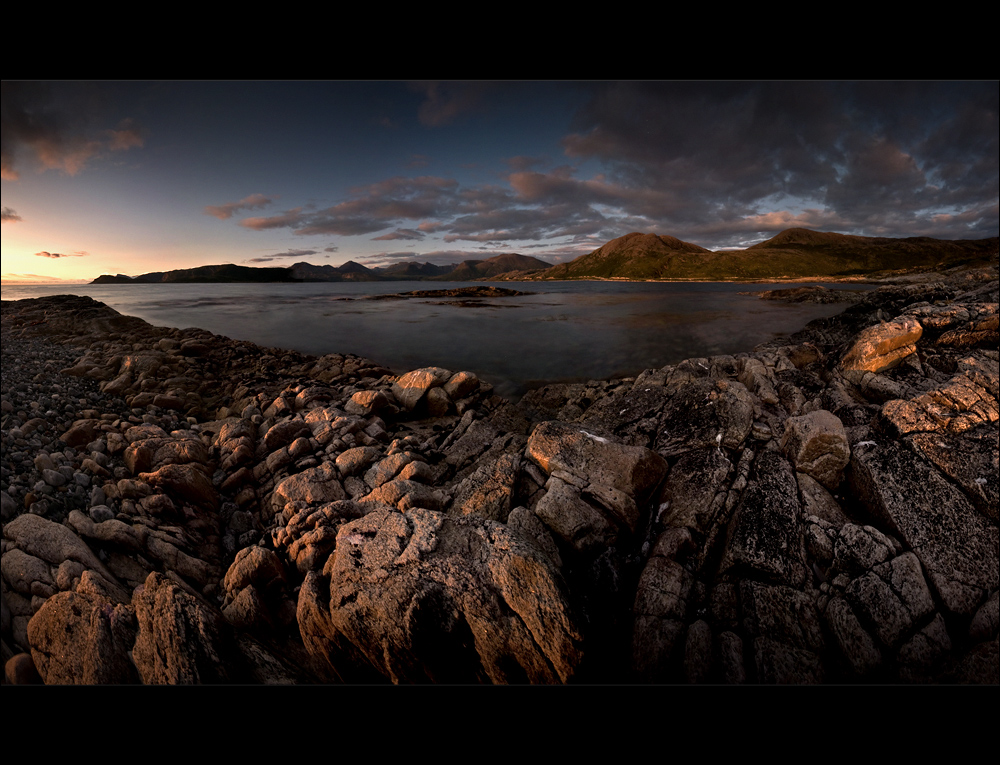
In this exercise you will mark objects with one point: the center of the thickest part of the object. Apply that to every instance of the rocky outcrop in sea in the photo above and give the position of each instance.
(179, 507)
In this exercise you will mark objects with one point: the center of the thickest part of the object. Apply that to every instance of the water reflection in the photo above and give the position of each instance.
(566, 330)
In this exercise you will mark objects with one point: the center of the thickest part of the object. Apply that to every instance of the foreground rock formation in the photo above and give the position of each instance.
(179, 507)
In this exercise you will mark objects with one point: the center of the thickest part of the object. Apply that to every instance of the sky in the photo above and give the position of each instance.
(131, 177)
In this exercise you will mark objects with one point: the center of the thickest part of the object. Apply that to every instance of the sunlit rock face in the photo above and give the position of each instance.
(883, 346)
(422, 596)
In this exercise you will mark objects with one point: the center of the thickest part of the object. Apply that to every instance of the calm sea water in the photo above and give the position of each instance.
(564, 331)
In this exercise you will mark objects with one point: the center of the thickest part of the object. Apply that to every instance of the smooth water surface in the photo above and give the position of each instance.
(564, 331)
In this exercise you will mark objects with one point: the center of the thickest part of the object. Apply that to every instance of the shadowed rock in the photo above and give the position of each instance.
(929, 514)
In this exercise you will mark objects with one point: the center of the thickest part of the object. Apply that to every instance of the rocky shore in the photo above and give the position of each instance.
(179, 507)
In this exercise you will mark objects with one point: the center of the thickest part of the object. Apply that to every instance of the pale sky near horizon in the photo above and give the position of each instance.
(132, 177)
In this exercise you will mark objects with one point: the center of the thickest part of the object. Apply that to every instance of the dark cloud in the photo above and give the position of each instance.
(372, 208)
(399, 255)
(288, 219)
(874, 156)
(438, 257)
(445, 102)
(225, 211)
(720, 164)
(44, 254)
(10, 216)
(400, 233)
(295, 254)
(521, 163)
(56, 130)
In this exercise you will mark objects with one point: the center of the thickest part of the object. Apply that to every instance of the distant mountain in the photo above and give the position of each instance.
(633, 256)
(154, 277)
(795, 253)
(348, 272)
(203, 274)
(800, 250)
(413, 270)
(470, 270)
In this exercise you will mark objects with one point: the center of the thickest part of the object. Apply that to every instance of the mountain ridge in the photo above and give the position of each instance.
(795, 253)
(792, 253)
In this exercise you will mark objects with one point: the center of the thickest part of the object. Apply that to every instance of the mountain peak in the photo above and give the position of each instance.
(792, 237)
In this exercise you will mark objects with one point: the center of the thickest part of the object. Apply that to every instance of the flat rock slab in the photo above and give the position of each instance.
(634, 470)
(705, 412)
(929, 514)
(765, 537)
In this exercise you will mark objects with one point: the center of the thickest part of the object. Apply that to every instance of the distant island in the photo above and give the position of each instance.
(469, 270)
(796, 253)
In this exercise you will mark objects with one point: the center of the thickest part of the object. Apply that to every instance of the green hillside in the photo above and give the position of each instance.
(795, 253)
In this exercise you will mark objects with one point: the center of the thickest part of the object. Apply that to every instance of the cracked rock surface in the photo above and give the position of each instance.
(179, 507)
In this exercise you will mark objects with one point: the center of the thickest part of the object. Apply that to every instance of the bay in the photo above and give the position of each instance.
(564, 331)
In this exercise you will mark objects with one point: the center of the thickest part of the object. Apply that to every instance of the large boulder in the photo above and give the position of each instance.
(883, 346)
(423, 596)
(317, 484)
(83, 637)
(816, 443)
(181, 640)
(409, 389)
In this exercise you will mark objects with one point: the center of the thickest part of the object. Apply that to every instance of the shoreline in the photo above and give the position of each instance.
(229, 479)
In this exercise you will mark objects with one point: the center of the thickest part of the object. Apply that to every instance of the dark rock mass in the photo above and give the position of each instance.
(179, 507)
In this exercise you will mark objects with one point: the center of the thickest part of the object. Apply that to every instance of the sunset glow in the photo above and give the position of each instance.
(111, 177)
